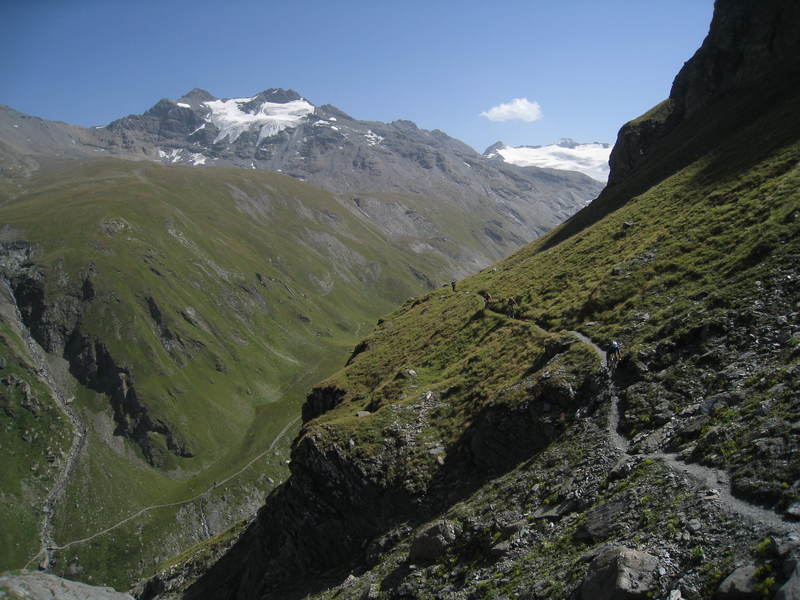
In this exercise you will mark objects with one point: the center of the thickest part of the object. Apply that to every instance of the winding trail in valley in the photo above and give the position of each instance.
(194, 498)
(717, 481)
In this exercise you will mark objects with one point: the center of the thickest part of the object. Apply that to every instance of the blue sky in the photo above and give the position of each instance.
(589, 65)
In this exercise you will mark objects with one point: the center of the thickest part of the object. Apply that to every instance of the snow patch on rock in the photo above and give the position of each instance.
(373, 139)
(270, 118)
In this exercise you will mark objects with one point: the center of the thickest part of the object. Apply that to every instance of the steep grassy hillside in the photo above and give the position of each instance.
(193, 308)
(34, 436)
(484, 452)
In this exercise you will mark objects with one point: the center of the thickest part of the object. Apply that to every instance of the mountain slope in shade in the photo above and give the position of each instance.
(566, 155)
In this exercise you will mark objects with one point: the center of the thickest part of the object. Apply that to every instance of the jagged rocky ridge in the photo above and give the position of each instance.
(470, 451)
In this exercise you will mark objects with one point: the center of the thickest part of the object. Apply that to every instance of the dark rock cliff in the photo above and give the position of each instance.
(750, 45)
(54, 319)
(749, 62)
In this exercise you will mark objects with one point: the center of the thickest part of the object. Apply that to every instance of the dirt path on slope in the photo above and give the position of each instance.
(717, 481)
(598, 350)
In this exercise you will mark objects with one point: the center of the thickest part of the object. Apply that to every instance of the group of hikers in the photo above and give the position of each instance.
(613, 351)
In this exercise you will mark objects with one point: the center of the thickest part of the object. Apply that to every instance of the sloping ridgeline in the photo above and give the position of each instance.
(472, 452)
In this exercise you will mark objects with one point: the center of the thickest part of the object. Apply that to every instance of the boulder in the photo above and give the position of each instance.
(602, 521)
(618, 573)
(432, 541)
(791, 589)
(739, 585)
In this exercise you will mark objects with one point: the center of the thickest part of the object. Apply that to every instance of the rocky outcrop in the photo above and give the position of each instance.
(317, 521)
(739, 585)
(750, 45)
(54, 320)
(44, 586)
(92, 364)
(433, 541)
(504, 434)
(620, 574)
(321, 400)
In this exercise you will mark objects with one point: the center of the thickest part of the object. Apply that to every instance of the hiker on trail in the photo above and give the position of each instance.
(453, 285)
(487, 299)
(613, 352)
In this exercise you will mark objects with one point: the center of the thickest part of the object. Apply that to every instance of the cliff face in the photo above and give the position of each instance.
(750, 46)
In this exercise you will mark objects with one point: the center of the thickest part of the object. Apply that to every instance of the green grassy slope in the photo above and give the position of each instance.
(697, 276)
(701, 245)
(34, 436)
(217, 296)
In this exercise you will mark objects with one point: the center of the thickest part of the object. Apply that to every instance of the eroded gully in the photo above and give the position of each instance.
(54, 373)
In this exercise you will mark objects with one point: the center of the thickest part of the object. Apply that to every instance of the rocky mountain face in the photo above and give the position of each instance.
(750, 46)
(488, 449)
(408, 181)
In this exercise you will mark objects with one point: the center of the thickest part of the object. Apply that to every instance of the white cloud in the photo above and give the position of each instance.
(519, 109)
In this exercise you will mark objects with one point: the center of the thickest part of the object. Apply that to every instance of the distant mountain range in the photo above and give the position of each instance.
(567, 154)
(409, 181)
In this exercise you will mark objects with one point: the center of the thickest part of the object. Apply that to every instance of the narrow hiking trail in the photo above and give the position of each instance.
(55, 375)
(194, 498)
(52, 546)
(716, 481)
